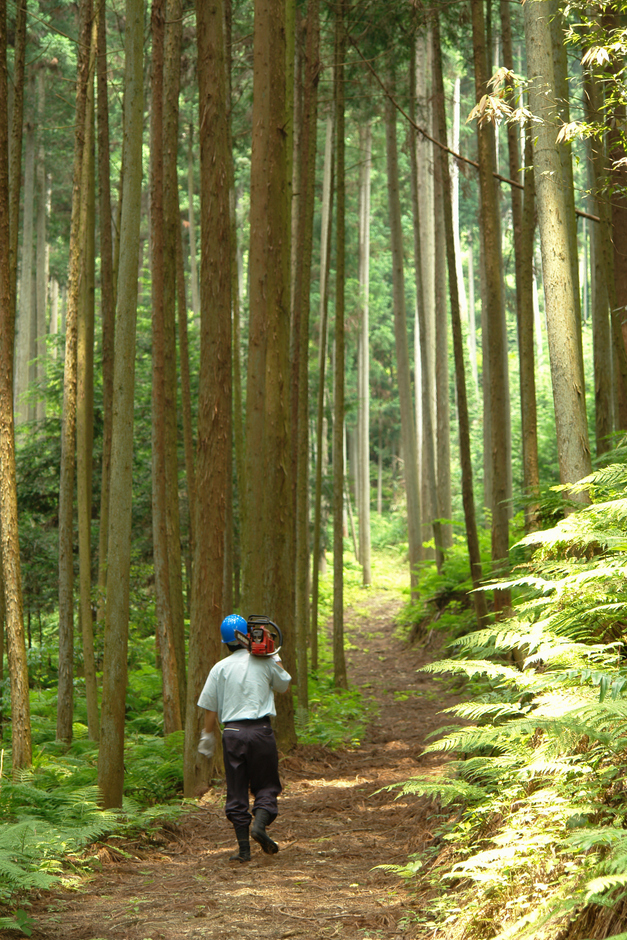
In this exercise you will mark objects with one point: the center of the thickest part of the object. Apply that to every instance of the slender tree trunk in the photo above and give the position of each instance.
(42, 250)
(186, 391)
(111, 756)
(566, 366)
(302, 251)
(85, 419)
(16, 647)
(339, 662)
(78, 225)
(408, 423)
(601, 330)
(193, 266)
(524, 227)
(427, 378)
(173, 45)
(107, 302)
(165, 627)
(531, 472)
(363, 404)
(24, 318)
(472, 539)
(472, 324)
(15, 145)
(321, 443)
(214, 404)
(495, 317)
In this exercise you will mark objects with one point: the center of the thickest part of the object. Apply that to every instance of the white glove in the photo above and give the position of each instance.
(207, 744)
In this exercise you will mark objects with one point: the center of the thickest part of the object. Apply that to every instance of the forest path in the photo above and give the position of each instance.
(333, 829)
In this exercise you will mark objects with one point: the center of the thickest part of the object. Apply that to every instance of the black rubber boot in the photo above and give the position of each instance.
(259, 834)
(243, 841)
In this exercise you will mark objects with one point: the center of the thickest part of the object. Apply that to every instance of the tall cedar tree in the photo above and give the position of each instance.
(498, 401)
(573, 449)
(16, 647)
(465, 457)
(214, 393)
(165, 639)
(107, 298)
(303, 249)
(339, 662)
(114, 675)
(65, 701)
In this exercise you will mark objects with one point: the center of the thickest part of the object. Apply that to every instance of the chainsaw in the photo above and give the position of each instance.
(264, 638)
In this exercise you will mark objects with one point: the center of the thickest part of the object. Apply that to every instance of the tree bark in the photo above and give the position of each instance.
(165, 627)
(78, 224)
(214, 398)
(408, 423)
(468, 500)
(321, 442)
(172, 74)
(107, 301)
(302, 286)
(85, 418)
(426, 376)
(495, 316)
(42, 251)
(15, 145)
(573, 448)
(363, 403)
(111, 756)
(524, 227)
(24, 317)
(16, 647)
(339, 662)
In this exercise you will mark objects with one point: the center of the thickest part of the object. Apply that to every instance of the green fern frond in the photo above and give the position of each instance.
(446, 792)
(476, 711)
(473, 668)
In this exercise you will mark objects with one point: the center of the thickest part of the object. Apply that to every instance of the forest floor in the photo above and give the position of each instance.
(335, 826)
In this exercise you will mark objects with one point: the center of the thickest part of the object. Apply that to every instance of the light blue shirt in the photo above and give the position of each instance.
(243, 686)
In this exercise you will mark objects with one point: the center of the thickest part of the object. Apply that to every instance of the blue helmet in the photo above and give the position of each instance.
(229, 625)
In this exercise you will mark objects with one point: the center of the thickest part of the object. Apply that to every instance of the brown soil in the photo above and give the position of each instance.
(335, 826)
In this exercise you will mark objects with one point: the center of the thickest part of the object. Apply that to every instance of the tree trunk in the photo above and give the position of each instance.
(173, 44)
(111, 756)
(78, 226)
(321, 442)
(214, 398)
(16, 647)
(524, 227)
(85, 420)
(107, 302)
(601, 331)
(363, 404)
(472, 539)
(427, 379)
(495, 316)
(15, 146)
(566, 366)
(339, 662)
(42, 251)
(408, 423)
(165, 627)
(302, 285)
(24, 318)
(193, 266)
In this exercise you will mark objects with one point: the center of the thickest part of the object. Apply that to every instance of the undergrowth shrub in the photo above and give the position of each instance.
(539, 770)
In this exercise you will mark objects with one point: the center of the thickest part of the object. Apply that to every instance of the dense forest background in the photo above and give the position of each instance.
(286, 283)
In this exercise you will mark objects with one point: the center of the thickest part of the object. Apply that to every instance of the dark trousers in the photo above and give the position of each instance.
(251, 761)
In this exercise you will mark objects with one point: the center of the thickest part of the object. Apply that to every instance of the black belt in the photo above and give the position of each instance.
(248, 721)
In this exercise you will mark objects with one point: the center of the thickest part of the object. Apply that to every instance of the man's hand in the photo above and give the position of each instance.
(207, 745)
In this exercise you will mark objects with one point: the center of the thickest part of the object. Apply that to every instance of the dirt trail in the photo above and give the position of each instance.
(333, 829)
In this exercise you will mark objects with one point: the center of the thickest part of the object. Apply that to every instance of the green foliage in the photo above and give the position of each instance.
(540, 760)
(337, 717)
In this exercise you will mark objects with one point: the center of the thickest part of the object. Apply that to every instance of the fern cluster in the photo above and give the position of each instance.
(540, 763)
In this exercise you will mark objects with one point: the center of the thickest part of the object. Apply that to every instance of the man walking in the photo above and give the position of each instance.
(239, 692)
